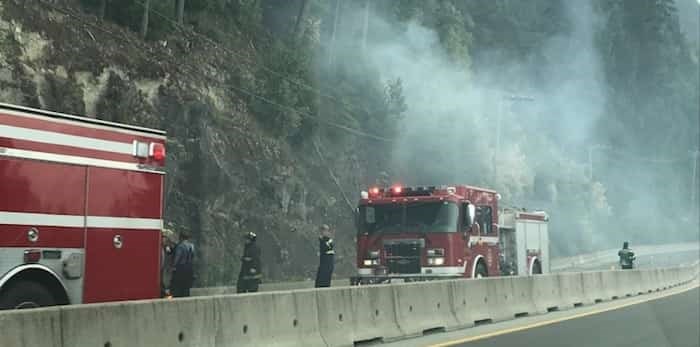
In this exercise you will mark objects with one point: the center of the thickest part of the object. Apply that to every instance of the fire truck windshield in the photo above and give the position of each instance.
(433, 216)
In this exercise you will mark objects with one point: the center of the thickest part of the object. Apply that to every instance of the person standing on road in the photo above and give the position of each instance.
(250, 275)
(183, 267)
(327, 258)
(626, 256)
(166, 260)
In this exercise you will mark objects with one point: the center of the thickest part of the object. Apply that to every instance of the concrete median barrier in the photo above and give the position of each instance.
(510, 297)
(547, 294)
(632, 282)
(333, 317)
(424, 307)
(492, 299)
(612, 284)
(461, 301)
(593, 290)
(649, 281)
(156, 323)
(268, 287)
(267, 319)
(25, 328)
(473, 305)
(571, 287)
(357, 314)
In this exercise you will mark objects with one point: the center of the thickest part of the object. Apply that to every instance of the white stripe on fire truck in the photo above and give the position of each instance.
(55, 138)
(122, 222)
(75, 160)
(78, 121)
(77, 221)
(42, 219)
(485, 239)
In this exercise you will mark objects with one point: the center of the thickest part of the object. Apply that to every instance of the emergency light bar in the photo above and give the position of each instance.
(153, 150)
(376, 192)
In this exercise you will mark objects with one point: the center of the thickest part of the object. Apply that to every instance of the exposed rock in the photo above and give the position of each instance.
(225, 175)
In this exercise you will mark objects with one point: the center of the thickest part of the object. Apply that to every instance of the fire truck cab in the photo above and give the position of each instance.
(80, 209)
(426, 233)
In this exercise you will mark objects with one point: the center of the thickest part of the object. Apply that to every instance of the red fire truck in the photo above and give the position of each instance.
(424, 233)
(81, 209)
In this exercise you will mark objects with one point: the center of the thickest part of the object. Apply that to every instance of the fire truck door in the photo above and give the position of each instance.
(123, 235)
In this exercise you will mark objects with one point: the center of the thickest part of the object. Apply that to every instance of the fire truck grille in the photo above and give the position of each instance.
(403, 257)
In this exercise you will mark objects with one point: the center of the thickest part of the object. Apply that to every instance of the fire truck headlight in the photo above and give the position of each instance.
(436, 261)
(371, 262)
(435, 252)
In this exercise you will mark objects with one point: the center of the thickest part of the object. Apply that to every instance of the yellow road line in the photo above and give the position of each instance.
(553, 321)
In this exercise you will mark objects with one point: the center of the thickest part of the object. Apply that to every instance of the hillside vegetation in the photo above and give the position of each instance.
(279, 112)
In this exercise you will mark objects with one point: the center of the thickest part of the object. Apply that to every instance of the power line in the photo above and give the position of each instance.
(258, 64)
(643, 159)
(194, 75)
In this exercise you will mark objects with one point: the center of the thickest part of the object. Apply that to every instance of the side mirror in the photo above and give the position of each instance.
(469, 215)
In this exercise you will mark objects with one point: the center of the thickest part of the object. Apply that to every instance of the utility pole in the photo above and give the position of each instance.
(694, 184)
(144, 19)
(180, 11)
(591, 148)
(331, 46)
(499, 114)
(102, 10)
(365, 26)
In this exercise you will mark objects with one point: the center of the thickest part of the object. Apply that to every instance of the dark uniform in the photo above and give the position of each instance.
(166, 259)
(183, 264)
(250, 276)
(626, 257)
(327, 262)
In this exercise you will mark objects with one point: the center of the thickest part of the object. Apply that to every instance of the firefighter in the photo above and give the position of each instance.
(326, 255)
(166, 260)
(626, 256)
(250, 275)
(383, 180)
(183, 267)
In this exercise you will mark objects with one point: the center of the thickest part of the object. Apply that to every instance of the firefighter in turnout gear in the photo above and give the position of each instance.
(166, 260)
(327, 258)
(626, 256)
(250, 276)
(183, 267)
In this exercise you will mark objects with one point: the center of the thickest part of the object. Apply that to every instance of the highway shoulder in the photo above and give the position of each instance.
(489, 331)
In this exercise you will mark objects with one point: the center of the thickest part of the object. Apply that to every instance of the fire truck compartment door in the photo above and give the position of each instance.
(122, 257)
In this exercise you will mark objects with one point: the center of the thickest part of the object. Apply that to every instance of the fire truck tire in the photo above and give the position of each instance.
(537, 268)
(26, 294)
(480, 270)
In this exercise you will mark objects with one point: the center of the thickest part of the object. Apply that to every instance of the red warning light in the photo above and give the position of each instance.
(397, 190)
(157, 151)
(374, 191)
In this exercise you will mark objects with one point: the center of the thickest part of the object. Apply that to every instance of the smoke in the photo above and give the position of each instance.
(524, 126)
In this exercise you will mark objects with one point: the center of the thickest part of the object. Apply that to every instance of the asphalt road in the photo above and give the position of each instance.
(661, 320)
(672, 321)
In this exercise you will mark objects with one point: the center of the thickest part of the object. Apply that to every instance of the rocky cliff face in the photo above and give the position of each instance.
(225, 175)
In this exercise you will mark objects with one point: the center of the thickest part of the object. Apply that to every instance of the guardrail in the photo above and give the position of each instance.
(589, 261)
(327, 317)
(610, 255)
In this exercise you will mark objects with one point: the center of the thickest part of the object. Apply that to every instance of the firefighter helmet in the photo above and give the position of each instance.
(168, 233)
(251, 236)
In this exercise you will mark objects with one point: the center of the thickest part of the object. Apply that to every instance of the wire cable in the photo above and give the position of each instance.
(197, 75)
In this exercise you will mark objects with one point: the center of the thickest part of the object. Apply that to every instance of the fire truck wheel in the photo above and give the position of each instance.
(25, 294)
(480, 271)
(537, 268)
